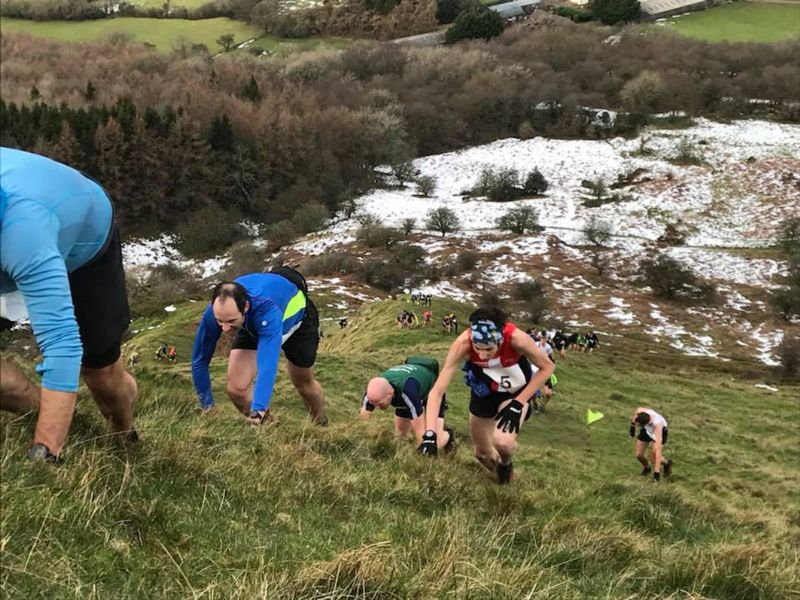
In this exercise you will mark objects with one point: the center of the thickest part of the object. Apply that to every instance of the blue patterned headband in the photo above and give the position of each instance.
(485, 333)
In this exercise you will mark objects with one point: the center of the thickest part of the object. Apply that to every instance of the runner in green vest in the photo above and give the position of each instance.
(406, 388)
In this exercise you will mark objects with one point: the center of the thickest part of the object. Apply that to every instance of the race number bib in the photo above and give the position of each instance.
(509, 379)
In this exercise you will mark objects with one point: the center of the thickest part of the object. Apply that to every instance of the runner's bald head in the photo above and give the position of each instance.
(379, 392)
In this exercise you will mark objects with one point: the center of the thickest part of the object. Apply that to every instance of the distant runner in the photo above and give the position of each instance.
(652, 428)
(406, 387)
(592, 341)
(498, 371)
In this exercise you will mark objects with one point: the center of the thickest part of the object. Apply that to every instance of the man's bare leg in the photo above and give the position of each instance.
(310, 390)
(17, 393)
(242, 369)
(114, 391)
(482, 431)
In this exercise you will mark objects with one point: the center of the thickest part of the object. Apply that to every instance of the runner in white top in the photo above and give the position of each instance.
(653, 428)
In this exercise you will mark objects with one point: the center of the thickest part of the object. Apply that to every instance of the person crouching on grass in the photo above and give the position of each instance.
(652, 428)
(406, 387)
(498, 369)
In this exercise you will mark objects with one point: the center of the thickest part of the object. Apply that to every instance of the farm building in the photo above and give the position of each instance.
(659, 9)
(515, 10)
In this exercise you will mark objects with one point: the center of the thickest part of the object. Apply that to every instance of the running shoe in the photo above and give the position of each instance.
(646, 471)
(504, 473)
(450, 446)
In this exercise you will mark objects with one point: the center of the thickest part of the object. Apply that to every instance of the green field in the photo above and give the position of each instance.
(742, 22)
(162, 33)
(206, 507)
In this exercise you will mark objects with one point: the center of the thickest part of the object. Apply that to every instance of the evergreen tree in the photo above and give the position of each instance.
(91, 91)
(220, 134)
(614, 11)
(476, 23)
(67, 149)
(250, 91)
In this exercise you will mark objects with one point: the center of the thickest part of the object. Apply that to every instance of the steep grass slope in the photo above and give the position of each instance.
(206, 507)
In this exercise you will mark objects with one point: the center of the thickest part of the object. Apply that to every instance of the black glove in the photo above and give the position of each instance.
(428, 446)
(656, 476)
(509, 418)
(632, 430)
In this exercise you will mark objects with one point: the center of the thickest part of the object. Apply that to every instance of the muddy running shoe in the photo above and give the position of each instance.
(132, 436)
(321, 421)
(450, 446)
(668, 469)
(504, 473)
(646, 471)
(257, 417)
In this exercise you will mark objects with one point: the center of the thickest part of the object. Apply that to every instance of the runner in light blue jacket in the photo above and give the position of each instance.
(60, 247)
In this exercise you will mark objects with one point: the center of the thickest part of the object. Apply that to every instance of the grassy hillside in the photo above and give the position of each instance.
(162, 33)
(742, 22)
(207, 507)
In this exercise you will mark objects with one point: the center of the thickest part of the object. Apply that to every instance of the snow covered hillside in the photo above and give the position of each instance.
(743, 181)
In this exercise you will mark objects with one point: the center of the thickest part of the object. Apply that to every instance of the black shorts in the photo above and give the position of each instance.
(405, 413)
(644, 437)
(486, 407)
(101, 304)
(301, 347)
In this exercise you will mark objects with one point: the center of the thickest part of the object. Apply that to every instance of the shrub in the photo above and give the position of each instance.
(403, 171)
(597, 232)
(310, 217)
(279, 235)
(789, 235)
(530, 300)
(443, 220)
(672, 235)
(687, 153)
(382, 274)
(526, 131)
(331, 263)
(535, 183)
(203, 233)
(378, 236)
(465, 261)
(426, 185)
(789, 355)
(645, 93)
(163, 285)
(475, 23)
(614, 11)
(406, 256)
(408, 226)
(670, 280)
(246, 257)
(519, 220)
(500, 185)
(576, 14)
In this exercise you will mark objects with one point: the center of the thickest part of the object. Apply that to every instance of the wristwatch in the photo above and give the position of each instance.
(40, 452)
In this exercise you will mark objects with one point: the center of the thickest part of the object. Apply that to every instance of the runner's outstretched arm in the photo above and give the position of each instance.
(455, 356)
(205, 343)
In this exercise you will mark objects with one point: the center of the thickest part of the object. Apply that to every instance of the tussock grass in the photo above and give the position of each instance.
(206, 507)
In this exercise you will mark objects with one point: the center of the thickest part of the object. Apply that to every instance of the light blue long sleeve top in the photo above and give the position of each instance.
(53, 220)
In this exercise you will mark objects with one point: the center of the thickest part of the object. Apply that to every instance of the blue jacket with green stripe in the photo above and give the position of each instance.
(277, 308)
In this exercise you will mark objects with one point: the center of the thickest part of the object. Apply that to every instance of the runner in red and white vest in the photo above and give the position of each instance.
(498, 371)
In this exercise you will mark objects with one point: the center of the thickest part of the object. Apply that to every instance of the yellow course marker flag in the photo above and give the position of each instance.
(592, 416)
